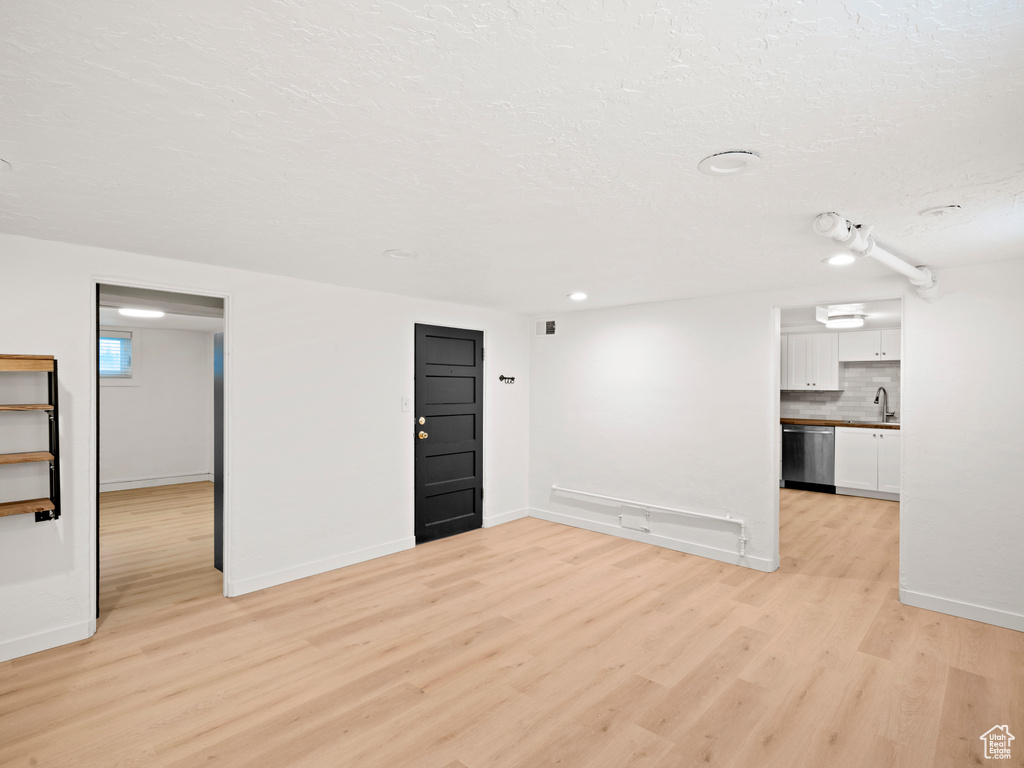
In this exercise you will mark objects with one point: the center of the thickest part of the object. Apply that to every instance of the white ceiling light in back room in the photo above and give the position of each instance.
(128, 312)
(855, 320)
(840, 259)
(578, 296)
(731, 163)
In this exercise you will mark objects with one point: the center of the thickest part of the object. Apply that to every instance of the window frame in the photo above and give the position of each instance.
(134, 379)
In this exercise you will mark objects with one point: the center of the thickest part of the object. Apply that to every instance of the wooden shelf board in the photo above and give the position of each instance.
(27, 407)
(25, 458)
(25, 507)
(26, 362)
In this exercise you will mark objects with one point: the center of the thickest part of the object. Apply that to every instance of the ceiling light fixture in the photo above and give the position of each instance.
(840, 259)
(401, 253)
(578, 296)
(731, 163)
(140, 312)
(940, 210)
(854, 320)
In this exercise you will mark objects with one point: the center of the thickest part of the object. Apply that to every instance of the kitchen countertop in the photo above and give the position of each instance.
(834, 423)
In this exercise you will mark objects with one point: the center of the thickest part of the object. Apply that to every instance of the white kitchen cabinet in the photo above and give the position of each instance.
(889, 460)
(784, 358)
(863, 346)
(856, 458)
(813, 361)
(868, 459)
(891, 346)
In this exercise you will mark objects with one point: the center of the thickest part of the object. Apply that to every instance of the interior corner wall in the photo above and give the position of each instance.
(161, 430)
(319, 454)
(676, 404)
(962, 515)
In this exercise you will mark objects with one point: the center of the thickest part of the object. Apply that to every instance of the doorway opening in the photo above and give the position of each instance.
(840, 433)
(159, 448)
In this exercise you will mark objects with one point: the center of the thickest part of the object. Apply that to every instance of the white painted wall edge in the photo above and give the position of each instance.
(44, 641)
(152, 482)
(505, 517)
(701, 550)
(256, 583)
(964, 610)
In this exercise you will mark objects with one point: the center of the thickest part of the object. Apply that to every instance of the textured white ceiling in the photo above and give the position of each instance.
(524, 149)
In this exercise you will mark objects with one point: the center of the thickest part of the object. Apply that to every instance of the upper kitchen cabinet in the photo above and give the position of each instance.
(813, 361)
(860, 346)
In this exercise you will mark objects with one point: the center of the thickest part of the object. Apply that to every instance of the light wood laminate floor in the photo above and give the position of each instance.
(530, 644)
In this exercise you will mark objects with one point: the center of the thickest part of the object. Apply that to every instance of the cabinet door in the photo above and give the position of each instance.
(858, 346)
(784, 364)
(889, 460)
(890, 345)
(826, 361)
(799, 361)
(856, 458)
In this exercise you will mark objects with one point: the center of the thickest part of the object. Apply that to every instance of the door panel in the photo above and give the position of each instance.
(449, 444)
(449, 390)
(445, 468)
(452, 429)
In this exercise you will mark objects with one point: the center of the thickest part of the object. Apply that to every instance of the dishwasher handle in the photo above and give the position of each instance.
(810, 431)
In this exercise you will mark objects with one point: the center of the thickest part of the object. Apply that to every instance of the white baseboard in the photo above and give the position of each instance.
(505, 517)
(701, 550)
(255, 583)
(152, 482)
(882, 495)
(964, 610)
(43, 641)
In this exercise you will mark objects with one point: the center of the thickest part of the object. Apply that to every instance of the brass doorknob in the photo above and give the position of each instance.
(422, 421)
(422, 435)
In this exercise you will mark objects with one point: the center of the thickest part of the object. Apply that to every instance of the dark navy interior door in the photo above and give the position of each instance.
(448, 431)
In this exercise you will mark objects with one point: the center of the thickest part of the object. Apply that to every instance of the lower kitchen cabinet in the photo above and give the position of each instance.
(889, 460)
(867, 460)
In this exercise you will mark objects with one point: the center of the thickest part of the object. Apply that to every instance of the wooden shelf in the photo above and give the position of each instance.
(25, 507)
(25, 458)
(48, 508)
(26, 362)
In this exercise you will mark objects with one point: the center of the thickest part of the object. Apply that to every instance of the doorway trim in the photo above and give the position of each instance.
(94, 405)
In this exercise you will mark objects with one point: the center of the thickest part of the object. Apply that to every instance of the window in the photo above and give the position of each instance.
(116, 354)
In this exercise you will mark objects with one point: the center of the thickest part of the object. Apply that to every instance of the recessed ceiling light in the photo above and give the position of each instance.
(401, 253)
(940, 210)
(840, 259)
(729, 163)
(578, 296)
(854, 320)
(140, 312)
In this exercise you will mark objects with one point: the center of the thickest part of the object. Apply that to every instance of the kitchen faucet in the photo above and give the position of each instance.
(886, 413)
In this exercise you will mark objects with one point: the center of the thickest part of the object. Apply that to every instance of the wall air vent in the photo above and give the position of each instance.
(545, 327)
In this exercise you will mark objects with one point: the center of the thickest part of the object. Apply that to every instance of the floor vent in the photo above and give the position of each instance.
(545, 327)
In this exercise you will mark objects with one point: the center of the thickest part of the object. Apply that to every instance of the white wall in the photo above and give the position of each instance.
(667, 404)
(676, 404)
(159, 430)
(319, 453)
(962, 522)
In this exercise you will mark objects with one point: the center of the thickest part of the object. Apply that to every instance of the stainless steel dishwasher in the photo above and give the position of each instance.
(809, 457)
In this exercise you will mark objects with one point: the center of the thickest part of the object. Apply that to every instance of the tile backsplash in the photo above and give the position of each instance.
(855, 402)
